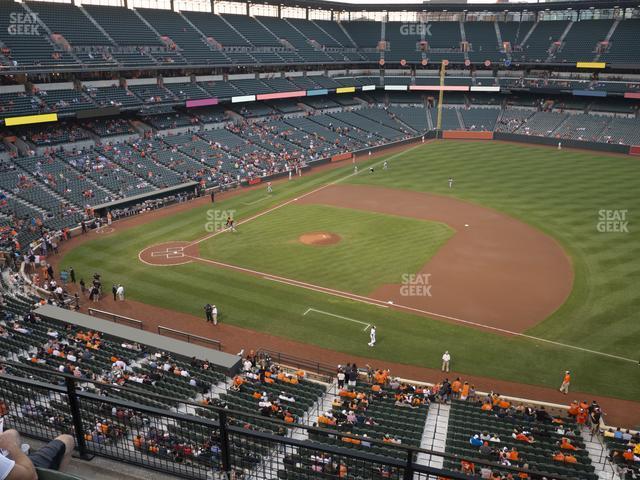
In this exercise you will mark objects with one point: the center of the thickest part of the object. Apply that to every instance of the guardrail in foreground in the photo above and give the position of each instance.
(145, 428)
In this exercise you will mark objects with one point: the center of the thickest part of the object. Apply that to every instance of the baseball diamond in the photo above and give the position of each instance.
(483, 243)
(320, 240)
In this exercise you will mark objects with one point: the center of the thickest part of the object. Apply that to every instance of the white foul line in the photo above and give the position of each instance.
(373, 301)
(367, 325)
(288, 202)
(380, 303)
(256, 201)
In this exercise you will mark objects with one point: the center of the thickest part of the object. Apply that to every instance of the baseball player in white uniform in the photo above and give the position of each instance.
(372, 336)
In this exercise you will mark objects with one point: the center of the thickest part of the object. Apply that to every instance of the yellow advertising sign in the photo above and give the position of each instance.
(27, 119)
(591, 65)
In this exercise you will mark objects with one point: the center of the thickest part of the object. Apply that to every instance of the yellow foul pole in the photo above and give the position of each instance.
(443, 67)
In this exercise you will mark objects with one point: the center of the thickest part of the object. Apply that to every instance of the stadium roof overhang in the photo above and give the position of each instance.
(451, 7)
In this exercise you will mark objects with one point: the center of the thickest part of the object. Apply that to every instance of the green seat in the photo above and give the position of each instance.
(46, 474)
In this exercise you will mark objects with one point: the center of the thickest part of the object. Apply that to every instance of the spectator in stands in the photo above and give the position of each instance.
(475, 441)
(629, 456)
(486, 450)
(16, 465)
(565, 444)
(522, 437)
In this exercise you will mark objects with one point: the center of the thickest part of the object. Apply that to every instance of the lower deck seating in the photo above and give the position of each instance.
(503, 421)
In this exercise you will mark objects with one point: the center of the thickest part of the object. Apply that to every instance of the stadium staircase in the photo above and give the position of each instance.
(346, 34)
(97, 25)
(560, 42)
(607, 39)
(529, 33)
(434, 436)
(598, 453)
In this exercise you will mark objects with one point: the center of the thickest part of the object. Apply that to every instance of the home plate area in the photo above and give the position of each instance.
(169, 253)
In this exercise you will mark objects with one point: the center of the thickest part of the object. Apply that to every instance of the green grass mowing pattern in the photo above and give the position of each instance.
(561, 193)
(515, 179)
(374, 249)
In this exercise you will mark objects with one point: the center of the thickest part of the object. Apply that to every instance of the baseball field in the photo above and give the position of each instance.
(528, 266)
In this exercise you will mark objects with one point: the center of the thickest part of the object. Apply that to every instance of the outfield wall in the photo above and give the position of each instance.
(601, 147)
(365, 151)
(464, 135)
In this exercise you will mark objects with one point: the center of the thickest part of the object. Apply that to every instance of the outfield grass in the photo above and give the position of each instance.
(558, 192)
(270, 244)
(561, 193)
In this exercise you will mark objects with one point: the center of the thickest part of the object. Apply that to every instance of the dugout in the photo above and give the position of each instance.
(220, 361)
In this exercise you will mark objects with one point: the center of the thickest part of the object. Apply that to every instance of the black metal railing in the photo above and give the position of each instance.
(189, 337)
(131, 322)
(323, 369)
(198, 441)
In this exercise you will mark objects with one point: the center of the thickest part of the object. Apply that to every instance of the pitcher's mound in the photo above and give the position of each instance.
(319, 238)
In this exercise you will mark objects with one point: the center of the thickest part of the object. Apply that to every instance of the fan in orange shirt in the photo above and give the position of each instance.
(347, 394)
(565, 444)
(237, 383)
(524, 475)
(456, 387)
(513, 455)
(467, 467)
(464, 393)
(520, 436)
(573, 408)
(628, 455)
(570, 459)
(558, 457)
(582, 416)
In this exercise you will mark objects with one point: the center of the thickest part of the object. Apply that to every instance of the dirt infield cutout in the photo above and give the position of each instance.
(168, 253)
(319, 238)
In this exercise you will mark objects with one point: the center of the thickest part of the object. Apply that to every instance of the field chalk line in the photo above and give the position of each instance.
(261, 199)
(288, 202)
(367, 325)
(382, 304)
(373, 301)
